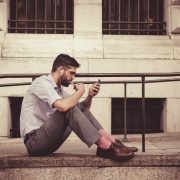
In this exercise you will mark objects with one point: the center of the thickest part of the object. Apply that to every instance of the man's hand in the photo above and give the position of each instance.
(79, 87)
(94, 89)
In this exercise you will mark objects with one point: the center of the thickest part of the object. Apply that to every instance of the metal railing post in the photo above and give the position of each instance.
(143, 113)
(125, 112)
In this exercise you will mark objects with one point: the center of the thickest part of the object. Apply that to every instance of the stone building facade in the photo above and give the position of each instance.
(97, 53)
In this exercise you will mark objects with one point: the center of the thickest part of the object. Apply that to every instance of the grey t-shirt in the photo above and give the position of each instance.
(37, 103)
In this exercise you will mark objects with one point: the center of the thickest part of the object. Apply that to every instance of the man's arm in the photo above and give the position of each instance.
(67, 103)
(93, 91)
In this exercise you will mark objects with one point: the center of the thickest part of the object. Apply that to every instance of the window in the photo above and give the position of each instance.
(41, 16)
(133, 17)
(15, 104)
(154, 110)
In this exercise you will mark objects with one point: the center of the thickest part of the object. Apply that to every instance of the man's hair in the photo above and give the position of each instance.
(65, 61)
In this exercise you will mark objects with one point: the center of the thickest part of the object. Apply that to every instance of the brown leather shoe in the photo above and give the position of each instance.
(115, 153)
(121, 145)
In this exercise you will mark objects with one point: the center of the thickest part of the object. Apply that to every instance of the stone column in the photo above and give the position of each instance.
(171, 115)
(3, 21)
(88, 28)
(3, 15)
(175, 17)
(5, 118)
(88, 17)
(4, 102)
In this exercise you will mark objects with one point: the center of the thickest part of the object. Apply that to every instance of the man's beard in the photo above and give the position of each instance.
(65, 82)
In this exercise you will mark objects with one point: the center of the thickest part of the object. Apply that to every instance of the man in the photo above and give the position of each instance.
(49, 114)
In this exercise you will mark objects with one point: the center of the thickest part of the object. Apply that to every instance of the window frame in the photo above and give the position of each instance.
(58, 26)
(113, 23)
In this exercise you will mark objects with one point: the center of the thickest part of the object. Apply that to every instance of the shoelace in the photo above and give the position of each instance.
(115, 146)
(119, 144)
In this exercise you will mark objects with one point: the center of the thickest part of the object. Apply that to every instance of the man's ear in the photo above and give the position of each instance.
(60, 69)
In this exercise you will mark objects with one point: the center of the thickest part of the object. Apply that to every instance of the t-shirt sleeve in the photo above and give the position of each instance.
(45, 91)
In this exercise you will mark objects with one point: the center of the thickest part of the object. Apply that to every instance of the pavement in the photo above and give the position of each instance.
(161, 143)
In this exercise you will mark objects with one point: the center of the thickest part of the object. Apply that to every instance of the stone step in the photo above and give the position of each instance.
(89, 160)
(84, 166)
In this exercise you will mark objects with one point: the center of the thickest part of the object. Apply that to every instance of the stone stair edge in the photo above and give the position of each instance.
(82, 160)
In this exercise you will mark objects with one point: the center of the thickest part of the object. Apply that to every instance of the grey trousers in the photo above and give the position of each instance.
(51, 135)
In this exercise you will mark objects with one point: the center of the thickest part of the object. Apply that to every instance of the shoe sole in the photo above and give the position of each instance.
(116, 158)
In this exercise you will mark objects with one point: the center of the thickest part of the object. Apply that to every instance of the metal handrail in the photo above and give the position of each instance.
(143, 81)
(102, 82)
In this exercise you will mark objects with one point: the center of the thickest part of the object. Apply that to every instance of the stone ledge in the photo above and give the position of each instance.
(81, 160)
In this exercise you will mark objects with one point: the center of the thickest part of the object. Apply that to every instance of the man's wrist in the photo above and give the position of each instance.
(82, 91)
(90, 95)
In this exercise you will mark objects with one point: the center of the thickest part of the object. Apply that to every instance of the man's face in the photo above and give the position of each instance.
(68, 76)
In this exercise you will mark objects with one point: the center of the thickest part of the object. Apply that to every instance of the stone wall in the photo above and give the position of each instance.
(34, 53)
